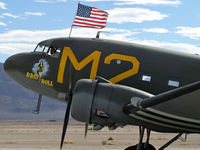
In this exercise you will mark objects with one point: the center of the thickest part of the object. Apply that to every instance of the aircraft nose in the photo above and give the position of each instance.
(9, 64)
(14, 64)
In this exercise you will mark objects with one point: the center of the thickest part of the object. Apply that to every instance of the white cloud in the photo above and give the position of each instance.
(183, 47)
(10, 15)
(127, 36)
(14, 48)
(2, 5)
(17, 41)
(2, 24)
(30, 36)
(149, 2)
(37, 36)
(142, 2)
(61, 1)
(135, 15)
(22, 16)
(34, 13)
(191, 32)
(42, 1)
(156, 30)
(50, 1)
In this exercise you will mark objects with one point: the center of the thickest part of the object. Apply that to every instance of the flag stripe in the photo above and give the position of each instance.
(76, 24)
(98, 18)
(96, 9)
(89, 24)
(99, 11)
(102, 14)
(89, 19)
(95, 14)
(81, 22)
(80, 19)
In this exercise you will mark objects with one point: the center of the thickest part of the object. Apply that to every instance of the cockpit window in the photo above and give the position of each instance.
(39, 48)
(46, 49)
(53, 51)
(49, 51)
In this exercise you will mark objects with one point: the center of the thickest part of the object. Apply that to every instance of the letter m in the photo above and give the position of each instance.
(67, 53)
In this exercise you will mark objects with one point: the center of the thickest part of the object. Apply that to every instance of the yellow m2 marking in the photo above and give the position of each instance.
(95, 57)
(67, 53)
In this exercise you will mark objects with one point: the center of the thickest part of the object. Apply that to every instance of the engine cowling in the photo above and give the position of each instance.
(100, 103)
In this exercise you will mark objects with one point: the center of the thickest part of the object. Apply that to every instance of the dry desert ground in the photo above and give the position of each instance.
(46, 136)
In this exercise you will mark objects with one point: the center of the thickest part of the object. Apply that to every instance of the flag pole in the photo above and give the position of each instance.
(70, 31)
(73, 22)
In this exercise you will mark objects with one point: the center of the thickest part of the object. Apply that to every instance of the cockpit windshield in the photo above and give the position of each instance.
(39, 48)
(48, 50)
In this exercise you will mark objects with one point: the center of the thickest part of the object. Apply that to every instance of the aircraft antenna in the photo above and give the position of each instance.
(98, 33)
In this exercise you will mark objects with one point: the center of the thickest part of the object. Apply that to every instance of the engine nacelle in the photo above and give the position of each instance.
(102, 103)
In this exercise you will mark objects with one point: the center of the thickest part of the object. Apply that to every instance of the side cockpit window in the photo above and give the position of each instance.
(53, 51)
(46, 49)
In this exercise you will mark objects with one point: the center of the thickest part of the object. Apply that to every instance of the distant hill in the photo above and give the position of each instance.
(17, 103)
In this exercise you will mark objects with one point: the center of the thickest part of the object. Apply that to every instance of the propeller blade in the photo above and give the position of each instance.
(38, 105)
(86, 129)
(67, 110)
(65, 123)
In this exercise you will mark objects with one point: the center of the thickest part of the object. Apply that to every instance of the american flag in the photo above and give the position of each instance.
(90, 17)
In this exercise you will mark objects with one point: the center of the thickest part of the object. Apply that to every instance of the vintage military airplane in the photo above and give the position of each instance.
(113, 83)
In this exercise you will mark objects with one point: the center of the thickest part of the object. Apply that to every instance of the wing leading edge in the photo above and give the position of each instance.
(173, 111)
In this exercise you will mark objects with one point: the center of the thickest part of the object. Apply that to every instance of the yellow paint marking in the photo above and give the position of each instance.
(35, 77)
(67, 53)
(126, 74)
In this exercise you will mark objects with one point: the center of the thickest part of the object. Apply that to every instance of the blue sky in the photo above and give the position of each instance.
(171, 24)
